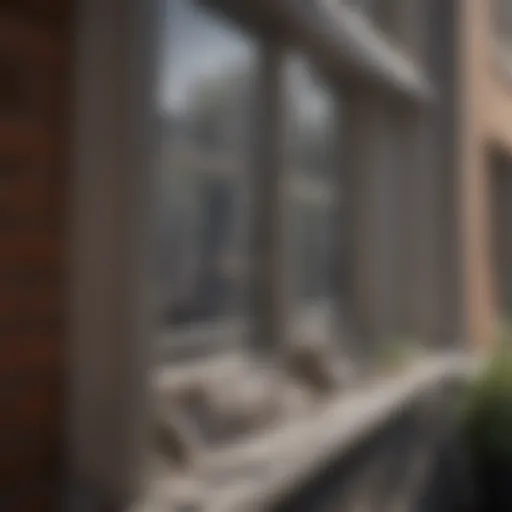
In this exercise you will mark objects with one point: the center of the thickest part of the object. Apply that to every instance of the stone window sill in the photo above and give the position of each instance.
(258, 472)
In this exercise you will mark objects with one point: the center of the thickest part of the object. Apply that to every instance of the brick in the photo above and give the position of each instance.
(26, 190)
(30, 90)
(33, 148)
(47, 13)
(13, 86)
(40, 276)
(24, 38)
(24, 447)
(15, 382)
(30, 140)
(21, 249)
(35, 495)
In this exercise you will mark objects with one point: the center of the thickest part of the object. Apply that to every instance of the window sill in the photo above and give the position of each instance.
(258, 472)
(200, 340)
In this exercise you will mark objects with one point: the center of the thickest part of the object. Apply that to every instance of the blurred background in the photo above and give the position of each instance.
(255, 255)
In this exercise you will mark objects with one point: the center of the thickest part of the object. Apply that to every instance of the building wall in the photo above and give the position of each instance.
(33, 89)
(442, 64)
(34, 71)
(485, 123)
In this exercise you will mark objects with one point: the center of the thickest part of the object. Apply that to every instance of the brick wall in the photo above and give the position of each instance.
(34, 37)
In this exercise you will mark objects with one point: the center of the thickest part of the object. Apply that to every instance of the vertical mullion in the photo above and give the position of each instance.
(358, 118)
(370, 160)
(268, 201)
(345, 226)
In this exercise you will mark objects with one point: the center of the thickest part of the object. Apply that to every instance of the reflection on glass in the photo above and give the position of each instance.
(204, 100)
(502, 32)
(502, 17)
(312, 150)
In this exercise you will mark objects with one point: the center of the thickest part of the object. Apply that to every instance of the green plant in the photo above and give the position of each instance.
(487, 410)
(395, 354)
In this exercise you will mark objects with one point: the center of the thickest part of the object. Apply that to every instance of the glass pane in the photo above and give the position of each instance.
(502, 13)
(312, 149)
(204, 101)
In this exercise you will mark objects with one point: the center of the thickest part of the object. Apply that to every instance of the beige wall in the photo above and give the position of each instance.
(499, 110)
(485, 121)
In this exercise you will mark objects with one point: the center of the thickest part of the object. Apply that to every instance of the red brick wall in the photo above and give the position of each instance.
(34, 71)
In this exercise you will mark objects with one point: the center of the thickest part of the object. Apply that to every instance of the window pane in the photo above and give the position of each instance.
(313, 199)
(204, 100)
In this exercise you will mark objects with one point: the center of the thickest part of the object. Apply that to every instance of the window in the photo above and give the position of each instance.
(502, 18)
(205, 100)
(201, 266)
(502, 26)
(312, 147)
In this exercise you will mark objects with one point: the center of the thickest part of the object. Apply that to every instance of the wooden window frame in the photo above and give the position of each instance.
(111, 301)
(330, 195)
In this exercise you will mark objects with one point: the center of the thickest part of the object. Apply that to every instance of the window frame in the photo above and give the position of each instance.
(500, 63)
(111, 305)
(296, 175)
(109, 231)
(224, 335)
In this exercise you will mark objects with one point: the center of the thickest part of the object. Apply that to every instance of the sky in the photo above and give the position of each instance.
(197, 43)
(194, 44)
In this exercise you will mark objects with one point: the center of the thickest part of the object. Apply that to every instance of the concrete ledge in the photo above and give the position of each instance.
(256, 474)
